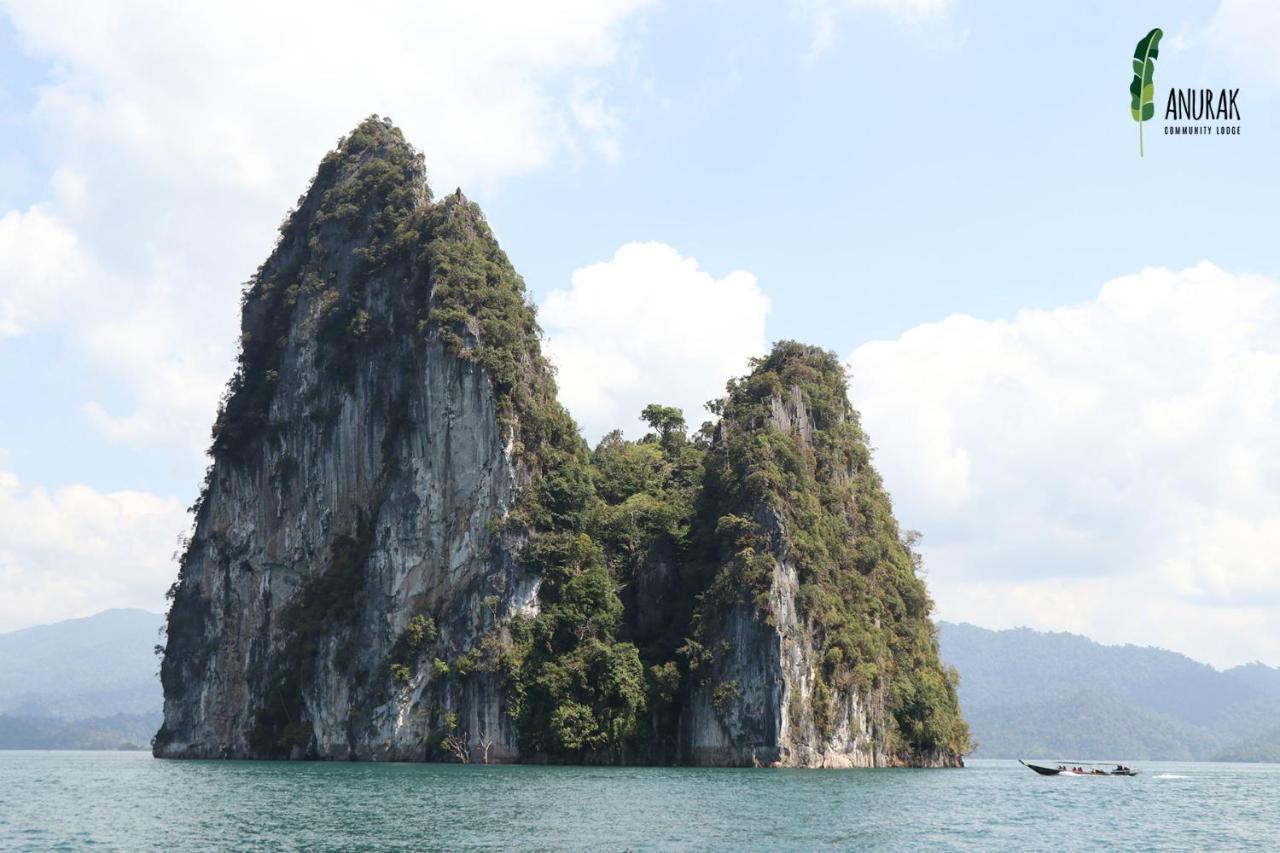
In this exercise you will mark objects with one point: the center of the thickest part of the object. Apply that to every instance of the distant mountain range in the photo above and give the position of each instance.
(1055, 695)
(81, 684)
(91, 684)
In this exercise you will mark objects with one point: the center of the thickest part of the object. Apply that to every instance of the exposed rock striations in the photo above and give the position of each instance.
(360, 519)
(812, 644)
(404, 550)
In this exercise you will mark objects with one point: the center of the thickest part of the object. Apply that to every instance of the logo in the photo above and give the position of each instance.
(1143, 89)
(1187, 111)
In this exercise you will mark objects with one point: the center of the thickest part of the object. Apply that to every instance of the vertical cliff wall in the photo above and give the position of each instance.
(357, 538)
(812, 645)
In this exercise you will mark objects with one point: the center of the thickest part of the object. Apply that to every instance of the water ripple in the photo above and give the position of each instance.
(128, 801)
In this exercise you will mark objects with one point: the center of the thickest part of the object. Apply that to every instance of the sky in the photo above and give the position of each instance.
(1067, 356)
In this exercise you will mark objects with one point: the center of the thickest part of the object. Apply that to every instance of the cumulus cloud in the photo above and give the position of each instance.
(650, 326)
(74, 551)
(176, 370)
(178, 134)
(1111, 467)
(240, 88)
(40, 262)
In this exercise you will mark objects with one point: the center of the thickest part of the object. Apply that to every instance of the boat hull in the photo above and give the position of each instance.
(1043, 771)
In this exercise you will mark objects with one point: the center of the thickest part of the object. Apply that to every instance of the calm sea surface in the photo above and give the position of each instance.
(128, 801)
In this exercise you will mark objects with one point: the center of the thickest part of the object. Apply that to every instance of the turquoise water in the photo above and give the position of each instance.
(128, 801)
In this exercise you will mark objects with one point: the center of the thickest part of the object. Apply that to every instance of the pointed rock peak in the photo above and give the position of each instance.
(455, 202)
(800, 364)
(373, 167)
(461, 219)
(794, 381)
(375, 137)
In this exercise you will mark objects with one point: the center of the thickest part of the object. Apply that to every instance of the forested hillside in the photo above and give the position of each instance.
(1027, 693)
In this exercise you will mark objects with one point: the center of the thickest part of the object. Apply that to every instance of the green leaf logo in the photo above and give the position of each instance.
(1142, 88)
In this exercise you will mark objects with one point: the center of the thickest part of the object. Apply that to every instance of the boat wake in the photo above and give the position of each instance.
(1169, 776)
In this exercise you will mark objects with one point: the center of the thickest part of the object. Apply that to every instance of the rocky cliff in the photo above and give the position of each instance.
(404, 550)
(357, 522)
(812, 645)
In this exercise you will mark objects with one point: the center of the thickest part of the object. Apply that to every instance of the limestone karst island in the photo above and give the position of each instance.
(404, 549)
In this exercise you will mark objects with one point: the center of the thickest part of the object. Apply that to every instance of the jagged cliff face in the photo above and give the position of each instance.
(813, 647)
(405, 551)
(754, 705)
(353, 528)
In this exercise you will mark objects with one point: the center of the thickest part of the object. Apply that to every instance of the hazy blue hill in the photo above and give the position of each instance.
(119, 731)
(1062, 695)
(1085, 725)
(94, 667)
(1265, 679)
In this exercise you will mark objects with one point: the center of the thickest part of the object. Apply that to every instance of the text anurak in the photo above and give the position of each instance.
(1211, 104)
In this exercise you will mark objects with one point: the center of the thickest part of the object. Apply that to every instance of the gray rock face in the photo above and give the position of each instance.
(756, 709)
(369, 501)
(758, 705)
(265, 532)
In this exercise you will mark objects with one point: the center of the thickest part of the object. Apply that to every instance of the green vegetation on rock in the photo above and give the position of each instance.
(639, 546)
(808, 489)
(366, 197)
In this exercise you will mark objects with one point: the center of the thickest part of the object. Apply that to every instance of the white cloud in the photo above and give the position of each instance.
(40, 261)
(1111, 468)
(593, 115)
(179, 134)
(73, 551)
(650, 326)
(822, 16)
(243, 89)
(177, 371)
(1246, 33)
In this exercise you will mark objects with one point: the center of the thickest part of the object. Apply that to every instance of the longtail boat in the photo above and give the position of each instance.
(1079, 768)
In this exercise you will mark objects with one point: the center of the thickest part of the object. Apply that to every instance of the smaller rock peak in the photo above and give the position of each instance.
(789, 356)
(461, 218)
(796, 387)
